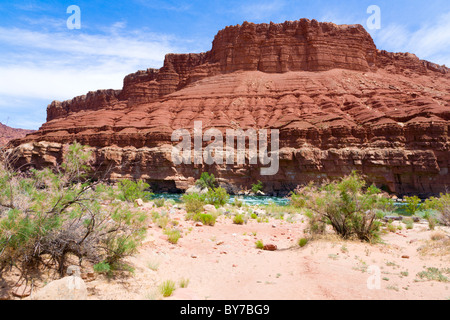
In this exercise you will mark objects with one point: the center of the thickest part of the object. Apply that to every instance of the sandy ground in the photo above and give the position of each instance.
(222, 263)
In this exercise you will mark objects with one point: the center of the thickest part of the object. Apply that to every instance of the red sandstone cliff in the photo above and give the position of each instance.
(340, 105)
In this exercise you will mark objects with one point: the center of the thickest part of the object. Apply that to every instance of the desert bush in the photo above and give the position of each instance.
(193, 202)
(409, 223)
(238, 202)
(302, 242)
(259, 244)
(238, 219)
(297, 198)
(412, 205)
(173, 235)
(206, 219)
(442, 206)
(217, 196)
(347, 205)
(159, 202)
(46, 215)
(257, 187)
(132, 190)
(207, 181)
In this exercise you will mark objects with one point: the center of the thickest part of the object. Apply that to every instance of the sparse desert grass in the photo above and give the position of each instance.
(438, 235)
(395, 288)
(153, 265)
(173, 235)
(409, 223)
(274, 210)
(435, 274)
(333, 256)
(163, 221)
(392, 264)
(167, 288)
(391, 227)
(159, 202)
(361, 266)
(440, 246)
(184, 283)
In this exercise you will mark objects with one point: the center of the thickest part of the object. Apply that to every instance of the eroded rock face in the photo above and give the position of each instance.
(7, 134)
(338, 102)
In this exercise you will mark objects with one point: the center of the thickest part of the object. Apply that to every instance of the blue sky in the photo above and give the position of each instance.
(42, 60)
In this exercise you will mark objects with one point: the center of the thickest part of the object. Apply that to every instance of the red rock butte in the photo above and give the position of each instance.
(339, 103)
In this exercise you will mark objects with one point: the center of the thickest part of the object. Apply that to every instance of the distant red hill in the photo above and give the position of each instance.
(8, 133)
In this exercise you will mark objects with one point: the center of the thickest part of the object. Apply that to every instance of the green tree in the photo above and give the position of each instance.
(206, 181)
(257, 187)
(54, 214)
(347, 205)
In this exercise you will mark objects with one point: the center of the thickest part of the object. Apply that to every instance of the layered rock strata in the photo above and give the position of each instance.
(339, 103)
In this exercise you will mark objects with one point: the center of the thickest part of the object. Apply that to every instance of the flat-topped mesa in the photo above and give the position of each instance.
(302, 45)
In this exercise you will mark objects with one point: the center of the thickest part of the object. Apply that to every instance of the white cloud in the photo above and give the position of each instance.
(430, 42)
(137, 46)
(46, 65)
(43, 66)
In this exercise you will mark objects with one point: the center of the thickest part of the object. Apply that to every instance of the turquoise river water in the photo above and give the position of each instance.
(249, 200)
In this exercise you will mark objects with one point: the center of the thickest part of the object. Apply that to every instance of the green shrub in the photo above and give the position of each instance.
(206, 181)
(302, 242)
(386, 204)
(238, 219)
(409, 223)
(206, 219)
(194, 202)
(391, 227)
(54, 214)
(412, 205)
(238, 202)
(345, 204)
(132, 190)
(257, 187)
(259, 244)
(162, 221)
(102, 267)
(297, 200)
(159, 202)
(217, 196)
(173, 235)
(440, 205)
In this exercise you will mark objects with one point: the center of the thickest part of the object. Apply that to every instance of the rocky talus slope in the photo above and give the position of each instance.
(339, 103)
